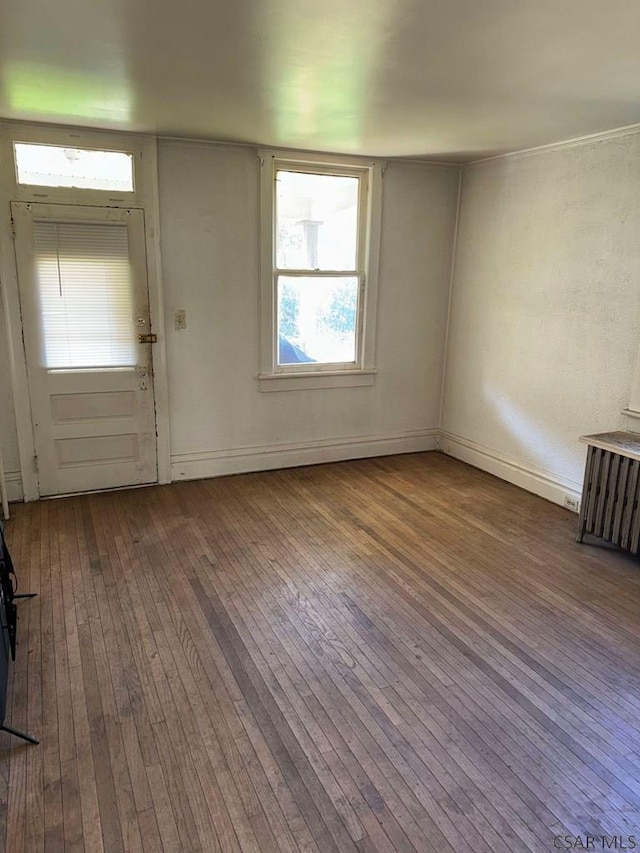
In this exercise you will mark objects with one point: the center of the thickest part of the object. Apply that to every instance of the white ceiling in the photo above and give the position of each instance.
(449, 79)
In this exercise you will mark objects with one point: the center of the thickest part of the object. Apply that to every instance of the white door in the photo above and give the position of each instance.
(82, 275)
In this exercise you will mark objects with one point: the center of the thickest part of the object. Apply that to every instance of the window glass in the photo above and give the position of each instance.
(317, 318)
(56, 166)
(316, 221)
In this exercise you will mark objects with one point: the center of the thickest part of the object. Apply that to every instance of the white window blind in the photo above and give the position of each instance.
(84, 284)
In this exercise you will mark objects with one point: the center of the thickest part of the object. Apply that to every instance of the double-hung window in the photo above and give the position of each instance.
(320, 243)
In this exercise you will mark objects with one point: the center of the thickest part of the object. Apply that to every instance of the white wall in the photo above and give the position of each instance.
(545, 319)
(544, 327)
(220, 421)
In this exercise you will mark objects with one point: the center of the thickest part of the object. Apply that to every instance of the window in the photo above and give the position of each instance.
(81, 168)
(320, 234)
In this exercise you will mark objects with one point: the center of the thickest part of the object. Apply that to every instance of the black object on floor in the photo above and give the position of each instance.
(8, 629)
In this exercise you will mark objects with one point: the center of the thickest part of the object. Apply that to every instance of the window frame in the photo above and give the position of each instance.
(136, 146)
(361, 371)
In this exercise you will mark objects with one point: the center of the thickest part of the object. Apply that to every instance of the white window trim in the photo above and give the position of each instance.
(145, 196)
(272, 377)
(75, 138)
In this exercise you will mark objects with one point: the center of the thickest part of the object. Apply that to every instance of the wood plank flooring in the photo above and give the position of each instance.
(397, 654)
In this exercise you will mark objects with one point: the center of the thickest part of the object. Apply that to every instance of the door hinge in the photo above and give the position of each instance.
(36, 465)
(148, 339)
(13, 228)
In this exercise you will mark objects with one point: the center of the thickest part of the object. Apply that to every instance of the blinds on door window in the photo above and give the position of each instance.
(84, 284)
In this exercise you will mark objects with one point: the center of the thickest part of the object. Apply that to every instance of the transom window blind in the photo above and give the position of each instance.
(84, 284)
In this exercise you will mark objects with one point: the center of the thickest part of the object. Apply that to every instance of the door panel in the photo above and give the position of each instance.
(98, 450)
(74, 408)
(84, 301)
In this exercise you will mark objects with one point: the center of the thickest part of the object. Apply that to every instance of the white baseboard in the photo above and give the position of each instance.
(193, 466)
(535, 480)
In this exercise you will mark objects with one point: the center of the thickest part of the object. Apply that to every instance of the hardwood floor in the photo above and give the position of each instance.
(398, 654)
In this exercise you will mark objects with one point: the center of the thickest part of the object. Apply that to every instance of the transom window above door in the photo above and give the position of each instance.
(79, 168)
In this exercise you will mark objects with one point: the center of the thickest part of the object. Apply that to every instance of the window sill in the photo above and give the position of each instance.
(310, 381)
(630, 413)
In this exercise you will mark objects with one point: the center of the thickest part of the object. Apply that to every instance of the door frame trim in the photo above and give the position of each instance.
(144, 149)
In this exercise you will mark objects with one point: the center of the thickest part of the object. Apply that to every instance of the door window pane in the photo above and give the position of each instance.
(55, 166)
(84, 284)
(316, 221)
(317, 319)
